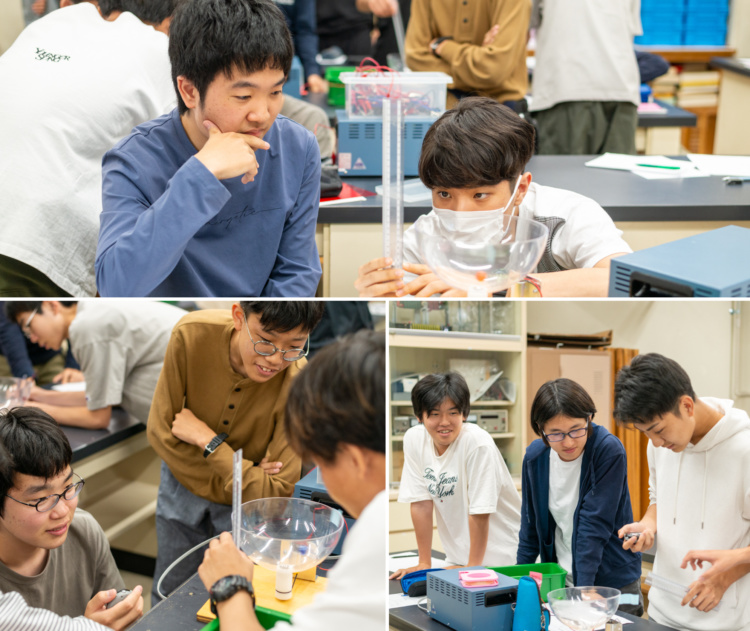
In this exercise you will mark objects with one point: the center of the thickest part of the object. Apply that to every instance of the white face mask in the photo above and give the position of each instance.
(453, 221)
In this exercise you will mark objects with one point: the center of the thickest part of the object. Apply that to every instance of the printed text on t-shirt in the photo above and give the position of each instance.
(43, 55)
(438, 486)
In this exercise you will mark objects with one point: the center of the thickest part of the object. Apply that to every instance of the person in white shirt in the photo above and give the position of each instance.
(473, 159)
(335, 416)
(75, 82)
(455, 469)
(586, 85)
(699, 490)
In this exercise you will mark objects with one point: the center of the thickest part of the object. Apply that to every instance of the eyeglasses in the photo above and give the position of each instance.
(25, 326)
(556, 437)
(46, 504)
(265, 348)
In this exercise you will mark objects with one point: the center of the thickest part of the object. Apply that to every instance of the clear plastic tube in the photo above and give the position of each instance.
(398, 29)
(669, 586)
(237, 496)
(393, 180)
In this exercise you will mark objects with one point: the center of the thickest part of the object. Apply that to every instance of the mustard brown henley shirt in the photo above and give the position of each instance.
(197, 375)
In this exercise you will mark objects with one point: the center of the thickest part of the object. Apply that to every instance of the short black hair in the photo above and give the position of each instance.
(430, 392)
(208, 37)
(283, 316)
(35, 444)
(650, 387)
(560, 397)
(339, 397)
(151, 11)
(13, 308)
(479, 142)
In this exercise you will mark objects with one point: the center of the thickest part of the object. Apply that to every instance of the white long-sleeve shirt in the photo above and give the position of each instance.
(16, 615)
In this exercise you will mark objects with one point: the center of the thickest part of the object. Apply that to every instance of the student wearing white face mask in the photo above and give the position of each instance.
(473, 159)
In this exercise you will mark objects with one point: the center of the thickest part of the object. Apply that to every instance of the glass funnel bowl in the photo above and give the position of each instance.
(486, 259)
(584, 608)
(287, 535)
(14, 391)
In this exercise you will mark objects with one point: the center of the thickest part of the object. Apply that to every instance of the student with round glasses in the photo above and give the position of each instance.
(224, 385)
(575, 495)
(52, 553)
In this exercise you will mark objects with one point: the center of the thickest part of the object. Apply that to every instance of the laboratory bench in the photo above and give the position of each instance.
(412, 618)
(732, 127)
(121, 471)
(649, 212)
(178, 611)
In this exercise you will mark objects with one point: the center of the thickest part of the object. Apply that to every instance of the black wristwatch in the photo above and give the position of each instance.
(226, 587)
(215, 442)
(434, 45)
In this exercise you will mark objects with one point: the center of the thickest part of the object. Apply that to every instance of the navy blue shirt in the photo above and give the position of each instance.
(301, 20)
(169, 228)
(603, 508)
(22, 354)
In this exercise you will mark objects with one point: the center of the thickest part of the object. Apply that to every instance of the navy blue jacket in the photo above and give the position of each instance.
(301, 20)
(22, 355)
(603, 508)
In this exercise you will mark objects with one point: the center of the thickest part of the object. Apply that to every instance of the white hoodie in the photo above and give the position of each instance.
(703, 502)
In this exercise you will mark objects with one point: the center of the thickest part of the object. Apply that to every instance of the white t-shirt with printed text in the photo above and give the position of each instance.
(469, 478)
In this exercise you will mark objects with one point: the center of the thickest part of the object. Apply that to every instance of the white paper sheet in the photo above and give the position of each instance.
(649, 167)
(402, 600)
(74, 386)
(722, 165)
(556, 625)
(399, 561)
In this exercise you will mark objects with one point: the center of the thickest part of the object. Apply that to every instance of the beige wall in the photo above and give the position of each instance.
(11, 22)
(697, 334)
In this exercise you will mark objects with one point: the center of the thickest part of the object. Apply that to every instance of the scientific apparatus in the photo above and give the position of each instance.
(311, 488)
(486, 260)
(471, 608)
(288, 535)
(393, 180)
(361, 145)
(714, 263)
(14, 391)
(236, 496)
(584, 608)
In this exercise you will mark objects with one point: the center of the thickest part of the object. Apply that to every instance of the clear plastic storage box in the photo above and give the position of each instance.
(423, 93)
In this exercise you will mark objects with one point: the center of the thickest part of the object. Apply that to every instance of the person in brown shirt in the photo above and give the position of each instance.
(480, 43)
(223, 387)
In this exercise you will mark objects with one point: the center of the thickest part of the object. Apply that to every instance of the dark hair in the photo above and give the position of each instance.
(560, 397)
(151, 11)
(479, 142)
(208, 37)
(14, 308)
(36, 446)
(649, 388)
(430, 392)
(339, 397)
(283, 316)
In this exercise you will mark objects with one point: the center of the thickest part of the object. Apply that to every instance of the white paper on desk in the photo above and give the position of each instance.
(398, 562)
(402, 600)
(556, 625)
(638, 166)
(722, 165)
(73, 386)
(343, 200)
(658, 174)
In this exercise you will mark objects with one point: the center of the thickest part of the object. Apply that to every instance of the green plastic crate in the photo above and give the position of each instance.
(266, 617)
(553, 576)
(336, 89)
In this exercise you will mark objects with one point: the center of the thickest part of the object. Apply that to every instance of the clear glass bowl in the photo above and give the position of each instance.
(14, 391)
(485, 260)
(289, 533)
(584, 608)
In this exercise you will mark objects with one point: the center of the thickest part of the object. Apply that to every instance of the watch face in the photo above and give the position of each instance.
(228, 586)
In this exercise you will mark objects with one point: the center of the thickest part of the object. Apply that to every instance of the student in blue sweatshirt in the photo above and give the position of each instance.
(219, 197)
(575, 495)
